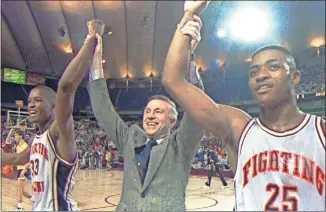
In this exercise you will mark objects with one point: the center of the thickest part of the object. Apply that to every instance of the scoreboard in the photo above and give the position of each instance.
(14, 76)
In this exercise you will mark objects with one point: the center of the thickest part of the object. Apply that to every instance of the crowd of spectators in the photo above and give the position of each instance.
(95, 151)
(209, 143)
(312, 80)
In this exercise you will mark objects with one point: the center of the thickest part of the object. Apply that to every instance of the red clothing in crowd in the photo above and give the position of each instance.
(113, 154)
(221, 152)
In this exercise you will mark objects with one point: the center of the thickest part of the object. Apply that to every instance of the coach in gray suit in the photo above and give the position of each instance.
(157, 162)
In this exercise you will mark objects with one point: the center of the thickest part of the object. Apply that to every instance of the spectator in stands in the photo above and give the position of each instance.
(97, 157)
(87, 159)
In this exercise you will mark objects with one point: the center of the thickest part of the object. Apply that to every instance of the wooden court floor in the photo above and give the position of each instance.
(99, 190)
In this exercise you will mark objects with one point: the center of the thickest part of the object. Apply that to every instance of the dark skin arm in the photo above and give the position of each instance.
(17, 158)
(62, 129)
(224, 121)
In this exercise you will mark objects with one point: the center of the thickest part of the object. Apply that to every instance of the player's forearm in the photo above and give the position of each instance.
(77, 68)
(96, 71)
(177, 60)
(9, 159)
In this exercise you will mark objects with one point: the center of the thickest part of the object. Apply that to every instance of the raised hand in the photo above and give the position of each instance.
(95, 26)
(195, 7)
(96, 63)
(192, 28)
(99, 45)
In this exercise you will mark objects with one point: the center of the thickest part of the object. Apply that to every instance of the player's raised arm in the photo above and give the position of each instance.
(62, 130)
(219, 119)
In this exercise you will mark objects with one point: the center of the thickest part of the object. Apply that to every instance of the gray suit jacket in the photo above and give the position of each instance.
(164, 188)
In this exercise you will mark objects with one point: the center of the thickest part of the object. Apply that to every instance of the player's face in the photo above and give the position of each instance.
(156, 120)
(39, 108)
(270, 78)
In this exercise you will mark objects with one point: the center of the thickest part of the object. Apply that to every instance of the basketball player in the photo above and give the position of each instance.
(280, 156)
(21, 145)
(53, 152)
(213, 163)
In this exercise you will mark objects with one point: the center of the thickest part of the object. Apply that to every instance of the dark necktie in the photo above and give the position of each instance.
(146, 153)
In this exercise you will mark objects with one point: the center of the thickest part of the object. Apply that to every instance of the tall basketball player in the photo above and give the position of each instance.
(53, 152)
(280, 156)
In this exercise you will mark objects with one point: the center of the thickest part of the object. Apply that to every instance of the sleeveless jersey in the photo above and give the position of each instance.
(52, 177)
(281, 170)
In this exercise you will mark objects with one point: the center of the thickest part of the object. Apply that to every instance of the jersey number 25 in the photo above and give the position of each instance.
(289, 203)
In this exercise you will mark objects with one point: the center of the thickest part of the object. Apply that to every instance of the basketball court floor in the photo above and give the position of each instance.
(99, 190)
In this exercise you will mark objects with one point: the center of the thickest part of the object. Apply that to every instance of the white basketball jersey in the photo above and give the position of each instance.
(52, 177)
(281, 171)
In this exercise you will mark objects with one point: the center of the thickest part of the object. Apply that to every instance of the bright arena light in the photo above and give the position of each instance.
(249, 24)
(221, 33)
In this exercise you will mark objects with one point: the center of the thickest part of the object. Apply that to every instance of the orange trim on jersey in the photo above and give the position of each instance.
(58, 156)
(289, 132)
(320, 130)
(244, 134)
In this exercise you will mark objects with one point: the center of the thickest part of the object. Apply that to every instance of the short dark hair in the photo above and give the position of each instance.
(174, 114)
(290, 59)
(18, 131)
(275, 47)
(50, 94)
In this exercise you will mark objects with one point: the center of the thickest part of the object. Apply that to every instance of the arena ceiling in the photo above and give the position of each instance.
(43, 36)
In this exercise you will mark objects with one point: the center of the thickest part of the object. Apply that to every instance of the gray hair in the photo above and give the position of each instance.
(173, 113)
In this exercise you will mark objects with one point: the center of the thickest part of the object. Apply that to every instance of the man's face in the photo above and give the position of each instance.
(39, 108)
(270, 79)
(17, 137)
(156, 120)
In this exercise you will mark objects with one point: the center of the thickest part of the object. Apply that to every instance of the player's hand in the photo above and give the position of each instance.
(192, 28)
(89, 38)
(99, 45)
(195, 7)
(95, 26)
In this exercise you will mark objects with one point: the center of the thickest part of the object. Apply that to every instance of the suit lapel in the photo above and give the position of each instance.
(155, 160)
(139, 141)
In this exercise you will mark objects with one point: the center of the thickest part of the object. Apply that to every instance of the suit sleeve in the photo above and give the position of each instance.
(189, 134)
(114, 127)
